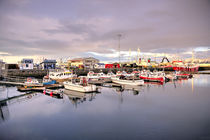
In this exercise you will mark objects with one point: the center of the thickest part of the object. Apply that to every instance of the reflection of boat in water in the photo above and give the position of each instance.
(153, 83)
(130, 88)
(78, 97)
(4, 103)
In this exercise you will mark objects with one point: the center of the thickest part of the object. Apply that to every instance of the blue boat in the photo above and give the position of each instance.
(49, 82)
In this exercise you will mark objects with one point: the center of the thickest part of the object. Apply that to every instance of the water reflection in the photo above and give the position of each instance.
(133, 89)
(4, 103)
(4, 111)
(122, 112)
(77, 98)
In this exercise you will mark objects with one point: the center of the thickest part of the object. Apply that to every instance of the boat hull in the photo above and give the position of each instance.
(128, 82)
(75, 87)
(151, 79)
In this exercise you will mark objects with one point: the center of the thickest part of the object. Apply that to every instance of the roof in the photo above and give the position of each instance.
(100, 64)
(49, 61)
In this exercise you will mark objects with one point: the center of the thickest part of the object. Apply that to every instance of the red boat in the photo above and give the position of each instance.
(180, 66)
(152, 79)
(153, 76)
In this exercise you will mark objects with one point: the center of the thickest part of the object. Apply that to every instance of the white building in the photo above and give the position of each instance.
(99, 66)
(26, 64)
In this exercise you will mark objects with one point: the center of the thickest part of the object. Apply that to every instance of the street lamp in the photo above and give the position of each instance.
(119, 36)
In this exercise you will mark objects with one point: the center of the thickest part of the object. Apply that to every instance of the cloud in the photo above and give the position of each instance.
(72, 28)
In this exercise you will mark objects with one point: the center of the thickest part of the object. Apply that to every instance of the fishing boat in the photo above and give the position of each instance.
(181, 66)
(153, 76)
(119, 80)
(92, 76)
(61, 76)
(82, 86)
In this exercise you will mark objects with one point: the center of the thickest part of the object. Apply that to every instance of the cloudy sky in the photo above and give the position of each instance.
(78, 28)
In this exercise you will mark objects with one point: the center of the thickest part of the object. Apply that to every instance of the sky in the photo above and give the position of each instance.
(81, 28)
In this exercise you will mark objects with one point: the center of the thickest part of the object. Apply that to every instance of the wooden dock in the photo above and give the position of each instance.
(11, 83)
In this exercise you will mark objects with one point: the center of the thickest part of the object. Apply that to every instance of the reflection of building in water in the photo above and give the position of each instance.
(5, 103)
(79, 97)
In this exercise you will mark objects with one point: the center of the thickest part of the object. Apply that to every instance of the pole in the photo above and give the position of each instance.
(119, 36)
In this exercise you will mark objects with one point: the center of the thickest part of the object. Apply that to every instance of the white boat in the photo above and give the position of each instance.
(111, 74)
(92, 76)
(128, 82)
(30, 81)
(82, 86)
(61, 76)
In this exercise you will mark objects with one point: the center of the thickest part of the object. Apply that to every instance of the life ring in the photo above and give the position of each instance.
(29, 80)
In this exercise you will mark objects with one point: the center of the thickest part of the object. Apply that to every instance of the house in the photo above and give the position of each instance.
(110, 66)
(26, 64)
(87, 62)
(99, 66)
(48, 64)
(77, 62)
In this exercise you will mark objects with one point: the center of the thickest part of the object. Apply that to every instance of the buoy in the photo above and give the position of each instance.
(51, 93)
(44, 91)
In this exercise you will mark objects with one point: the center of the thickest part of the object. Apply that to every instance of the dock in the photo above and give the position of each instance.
(11, 83)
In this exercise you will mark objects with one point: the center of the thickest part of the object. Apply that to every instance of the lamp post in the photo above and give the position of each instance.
(119, 36)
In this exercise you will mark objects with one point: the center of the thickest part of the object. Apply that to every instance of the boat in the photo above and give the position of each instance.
(124, 73)
(181, 66)
(92, 76)
(119, 80)
(82, 86)
(153, 76)
(48, 81)
(32, 82)
(61, 76)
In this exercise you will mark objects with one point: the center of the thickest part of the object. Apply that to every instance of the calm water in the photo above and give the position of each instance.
(179, 110)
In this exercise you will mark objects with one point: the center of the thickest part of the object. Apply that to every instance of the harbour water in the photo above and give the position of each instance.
(175, 110)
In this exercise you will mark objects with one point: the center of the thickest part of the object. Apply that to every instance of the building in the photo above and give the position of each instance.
(76, 63)
(48, 64)
(111, 66)
(87, 62)
(99, 66)
(2, 64)
(26, 64)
